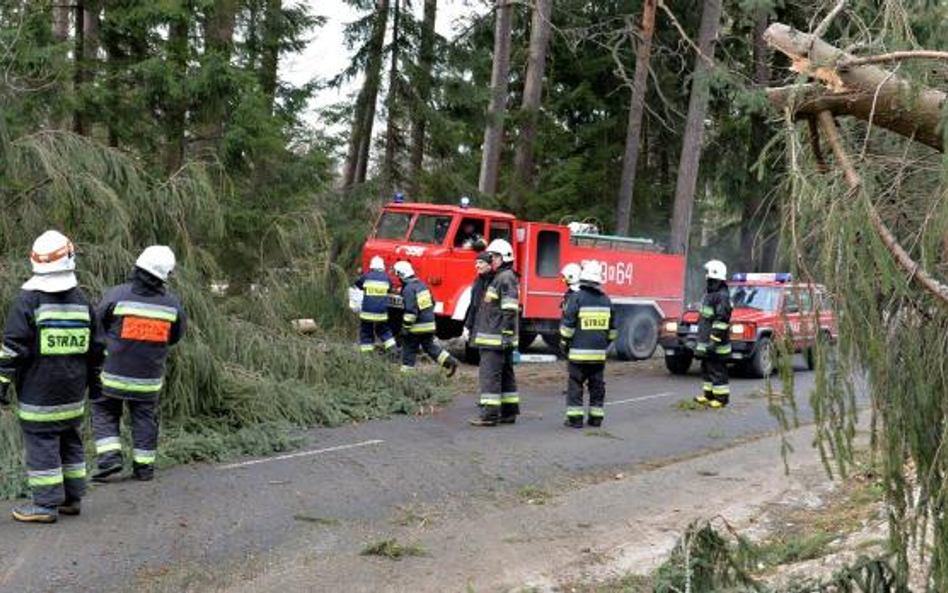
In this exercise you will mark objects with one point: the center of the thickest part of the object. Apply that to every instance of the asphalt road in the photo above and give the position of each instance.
(215, 515)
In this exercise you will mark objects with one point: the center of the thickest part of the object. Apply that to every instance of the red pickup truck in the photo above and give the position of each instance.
(767, 308)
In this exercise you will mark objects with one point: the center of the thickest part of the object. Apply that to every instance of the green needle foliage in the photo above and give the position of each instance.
(242, 380)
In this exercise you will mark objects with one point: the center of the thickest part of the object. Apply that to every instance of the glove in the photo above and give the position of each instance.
(4, 396)
(564, 346)
(508, 340)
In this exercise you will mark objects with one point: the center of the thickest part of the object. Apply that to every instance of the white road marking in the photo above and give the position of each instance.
(302, 454)
(641, 399)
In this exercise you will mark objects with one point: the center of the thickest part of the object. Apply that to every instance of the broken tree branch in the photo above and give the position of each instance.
(899, 107)
(902, 258)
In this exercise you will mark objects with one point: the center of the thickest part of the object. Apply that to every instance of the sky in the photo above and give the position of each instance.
(326, 55)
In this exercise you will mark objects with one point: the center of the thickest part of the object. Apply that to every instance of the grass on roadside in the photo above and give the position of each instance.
(393, 550)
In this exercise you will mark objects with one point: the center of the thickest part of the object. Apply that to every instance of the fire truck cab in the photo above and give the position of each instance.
(442, 241)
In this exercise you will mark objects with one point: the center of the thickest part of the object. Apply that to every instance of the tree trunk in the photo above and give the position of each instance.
(863, 92)
(175, 103)
(220, 21)
(752, 219)
(79, 125)
(270, 50)
(636, 109)
(60, 20)
(423, 88)
(694, 130)
(390, 176)
(360, 137)
(532, 98)
(497, 110)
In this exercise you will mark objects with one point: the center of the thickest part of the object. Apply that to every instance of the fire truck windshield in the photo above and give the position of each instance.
(762, 298)
(393, 225)
(430, 228)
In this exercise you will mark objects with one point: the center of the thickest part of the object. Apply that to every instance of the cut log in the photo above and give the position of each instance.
(866, 92)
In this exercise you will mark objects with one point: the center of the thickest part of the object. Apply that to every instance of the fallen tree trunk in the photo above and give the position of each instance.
(866, 92)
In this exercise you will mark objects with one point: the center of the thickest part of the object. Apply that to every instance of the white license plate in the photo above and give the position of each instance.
(692, 329)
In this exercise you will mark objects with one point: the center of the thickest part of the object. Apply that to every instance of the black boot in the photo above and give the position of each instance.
(594, 421)
(144, 473)
(106, 470)
(573, 422)
(489, 416)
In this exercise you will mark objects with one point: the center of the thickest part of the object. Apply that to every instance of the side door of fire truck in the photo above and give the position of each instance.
(541, 249)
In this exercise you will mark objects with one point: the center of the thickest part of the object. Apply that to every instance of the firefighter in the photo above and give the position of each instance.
(587, 329)
(418, 322)
(141, 320)
(496, 332)
(52, 350)
(714, 343)
(482, 263)
(570, 275)
(373, 317)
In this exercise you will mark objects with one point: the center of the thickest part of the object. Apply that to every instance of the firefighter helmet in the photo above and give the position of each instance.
(53, 252)
(377, 264)
(591, 273)
(570, 274)
(502, 248)
(715, 270)
(157, 260)
(404, 270)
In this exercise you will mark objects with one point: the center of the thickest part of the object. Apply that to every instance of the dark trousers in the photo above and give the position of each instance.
(369, 330)
(591, 376)
(499, 397)
(56, 466)
(714, 374)
(412, 343)
(106, 420)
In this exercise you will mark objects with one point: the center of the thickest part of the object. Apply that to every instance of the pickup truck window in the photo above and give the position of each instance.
(500, 229)
(762, 298)
(430, 228)
(393, 225)
(470, 234)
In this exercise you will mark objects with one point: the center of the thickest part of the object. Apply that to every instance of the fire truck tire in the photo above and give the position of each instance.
(678, 365)
(527, 339)
(552, 342)
(638, 336)
(762, 364)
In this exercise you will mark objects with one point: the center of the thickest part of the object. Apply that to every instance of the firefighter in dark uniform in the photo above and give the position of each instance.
(587, 329)
(570, 275)
(418, 322)
(714, 337)
(52, 351)
(141, 320)
(484, 276)
(496, 338)
(373, 316)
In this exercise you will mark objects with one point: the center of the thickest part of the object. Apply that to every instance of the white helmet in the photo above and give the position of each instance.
(377, 264)
(404, 270)
(591, 273)
(501, 248)
(52, 253)
(157, 260)
(54, 260)
(715, 270)
(570, 273)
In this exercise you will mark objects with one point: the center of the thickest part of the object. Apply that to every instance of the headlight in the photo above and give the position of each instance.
(671, 327)
(737, 329)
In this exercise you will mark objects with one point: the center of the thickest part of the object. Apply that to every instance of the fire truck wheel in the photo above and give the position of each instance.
(678, 365)
(638, 336)
(762, 363)
(552, 342)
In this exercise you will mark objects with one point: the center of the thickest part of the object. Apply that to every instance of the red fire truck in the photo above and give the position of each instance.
(439, 241)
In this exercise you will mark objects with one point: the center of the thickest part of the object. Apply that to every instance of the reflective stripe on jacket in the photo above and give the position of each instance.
(714, 324)
(589, 325)
(375, 286)
(141, 321)
(52, 350)
(497, 322)
(419, 317)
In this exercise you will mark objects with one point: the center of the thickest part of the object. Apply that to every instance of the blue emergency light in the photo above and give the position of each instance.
(465, 202)
(399, 197)
(781, 277)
